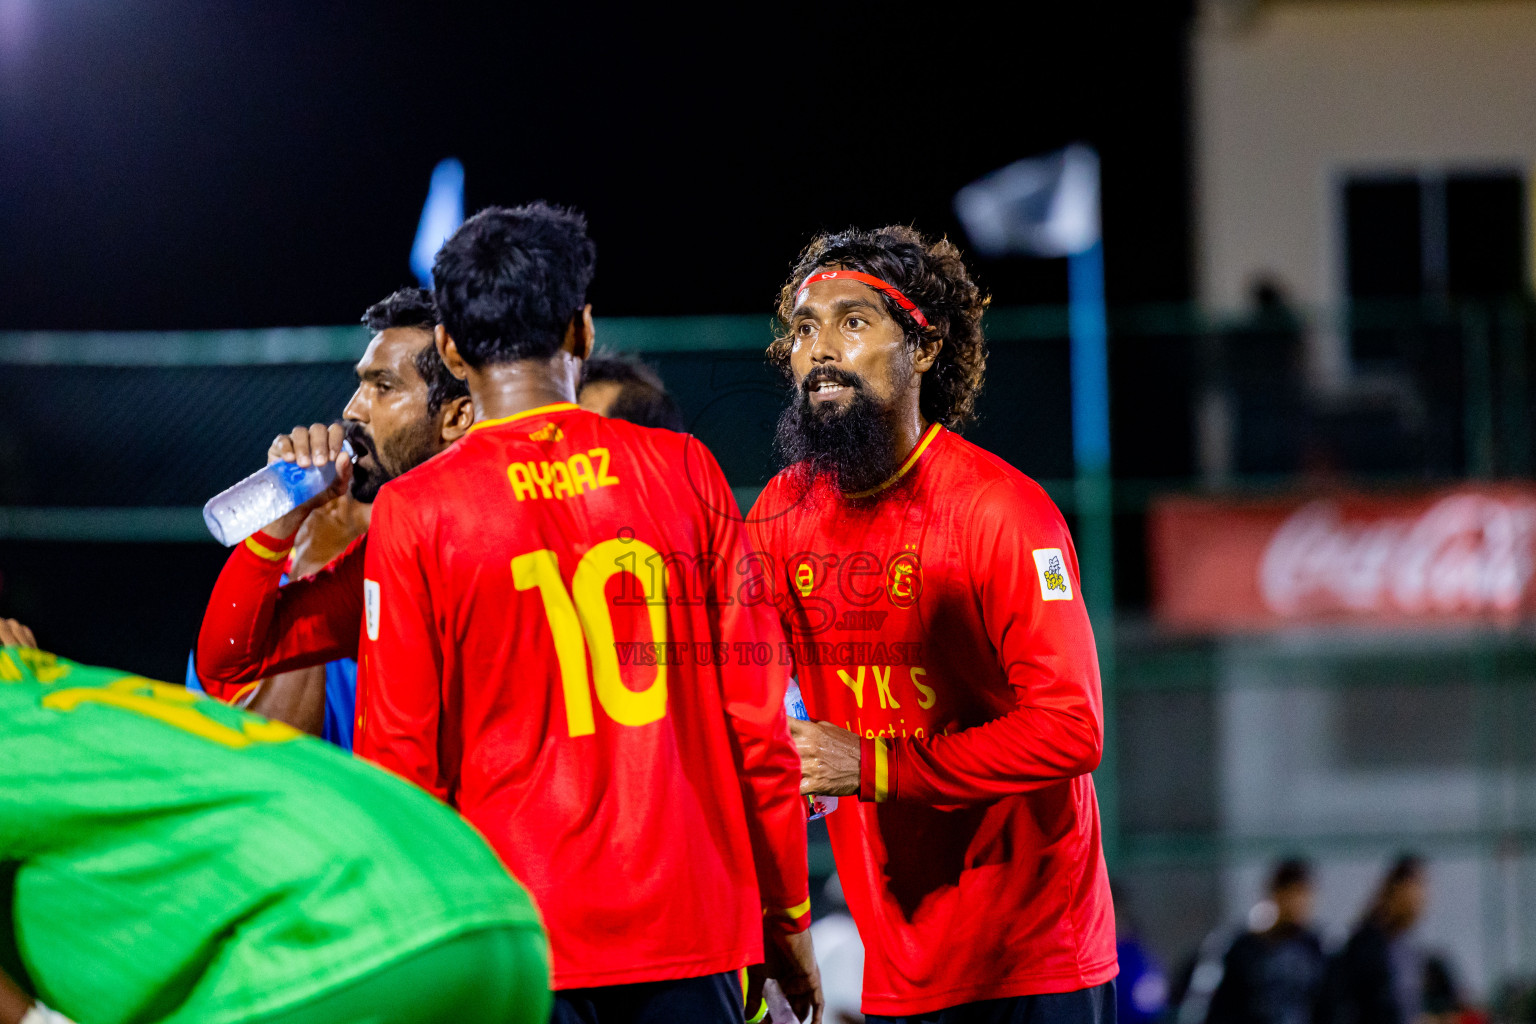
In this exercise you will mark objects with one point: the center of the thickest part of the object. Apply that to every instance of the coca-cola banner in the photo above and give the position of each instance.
(1457, 554)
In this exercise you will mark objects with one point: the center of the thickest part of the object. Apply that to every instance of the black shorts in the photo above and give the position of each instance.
(710, 999)
(1085, 1006)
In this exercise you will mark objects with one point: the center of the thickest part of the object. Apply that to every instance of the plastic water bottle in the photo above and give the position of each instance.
(794, 707)
(266, 495)
(779, 1010)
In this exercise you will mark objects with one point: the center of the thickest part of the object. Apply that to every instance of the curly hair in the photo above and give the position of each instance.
(933, 276)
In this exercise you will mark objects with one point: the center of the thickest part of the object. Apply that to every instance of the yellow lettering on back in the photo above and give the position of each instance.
(565, 478)
(856, 685)
(601, 455)
(44, 666)
(562, 478)
(883, 687)
(174, 706)
(542, 476)
(581, 473)
(522, 483)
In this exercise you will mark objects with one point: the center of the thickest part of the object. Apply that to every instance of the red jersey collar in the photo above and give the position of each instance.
(923, 442)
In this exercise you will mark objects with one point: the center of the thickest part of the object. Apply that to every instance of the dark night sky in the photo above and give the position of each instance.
(195, 164)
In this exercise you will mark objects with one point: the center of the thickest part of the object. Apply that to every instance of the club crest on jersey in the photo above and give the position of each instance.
(1054, 582)
(904, 579)
(371, 608)
(805, 578)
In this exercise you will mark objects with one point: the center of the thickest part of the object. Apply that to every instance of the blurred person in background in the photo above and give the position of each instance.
(288, 607)
(1273, 973)
(965, 714)
(164, 857)
(1378, 977)
(626, 388)
(1443, 1001)
(1141, 990)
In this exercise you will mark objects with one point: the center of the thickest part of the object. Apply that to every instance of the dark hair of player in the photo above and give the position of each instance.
(932, 275)
(413, 307)
(642, 399)
(510, 279)
(1290, 871)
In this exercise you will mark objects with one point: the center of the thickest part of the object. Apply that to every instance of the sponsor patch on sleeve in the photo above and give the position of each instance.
(1055, 584)
(371, 608)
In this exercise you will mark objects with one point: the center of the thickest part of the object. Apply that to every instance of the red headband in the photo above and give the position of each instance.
(869, 279)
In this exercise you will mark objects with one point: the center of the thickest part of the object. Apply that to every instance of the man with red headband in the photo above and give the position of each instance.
(930, 592)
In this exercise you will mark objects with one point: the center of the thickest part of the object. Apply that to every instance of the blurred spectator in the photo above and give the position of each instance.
(1274, 972)
(625, 388)
(1141, 990)
(1254, 412)
(1443, 1003)
(1378, 977)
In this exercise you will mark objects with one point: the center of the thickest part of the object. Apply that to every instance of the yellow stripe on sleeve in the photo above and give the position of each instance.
(262, 551)
(793, 913)
(882, 770)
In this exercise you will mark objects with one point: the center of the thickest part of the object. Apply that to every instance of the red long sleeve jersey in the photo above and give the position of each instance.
(546, 647)
(254, 629)
(938, 617)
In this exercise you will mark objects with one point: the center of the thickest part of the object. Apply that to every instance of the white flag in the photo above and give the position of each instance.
(1042, 206)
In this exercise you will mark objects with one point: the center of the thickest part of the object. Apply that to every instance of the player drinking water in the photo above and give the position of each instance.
(406, 409)
(165, 857)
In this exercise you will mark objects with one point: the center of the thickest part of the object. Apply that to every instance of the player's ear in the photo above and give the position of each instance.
(927, 353)
(580, 334)
(455, 418)
(449, 352)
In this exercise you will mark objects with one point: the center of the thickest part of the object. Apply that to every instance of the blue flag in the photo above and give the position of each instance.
(440, 217)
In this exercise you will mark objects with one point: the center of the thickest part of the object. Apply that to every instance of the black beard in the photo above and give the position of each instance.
(850, 446)
(401, 454)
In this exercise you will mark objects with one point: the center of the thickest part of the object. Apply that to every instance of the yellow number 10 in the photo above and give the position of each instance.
(588, 616)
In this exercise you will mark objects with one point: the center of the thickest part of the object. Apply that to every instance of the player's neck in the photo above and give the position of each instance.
(909, 427)
(499, 390)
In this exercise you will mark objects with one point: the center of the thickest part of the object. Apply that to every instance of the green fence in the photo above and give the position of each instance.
(109, 443)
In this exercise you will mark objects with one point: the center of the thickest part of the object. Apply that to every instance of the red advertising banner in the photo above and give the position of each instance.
(1460, 554)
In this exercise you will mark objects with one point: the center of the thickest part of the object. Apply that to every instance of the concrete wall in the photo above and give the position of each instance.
(1294, 762)
(1288, 97)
